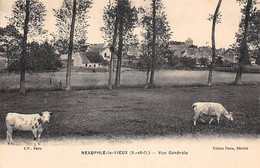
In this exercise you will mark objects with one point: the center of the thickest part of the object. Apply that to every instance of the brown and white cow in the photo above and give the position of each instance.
(27, 122)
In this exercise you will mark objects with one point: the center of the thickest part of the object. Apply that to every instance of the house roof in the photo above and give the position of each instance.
(96, 49)
(91, 57)
(191, 51)
(180, 48)
(99, 45)
(205, 49)
(176, 43)
(84, 58)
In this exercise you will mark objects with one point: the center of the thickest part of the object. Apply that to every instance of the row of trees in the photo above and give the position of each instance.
(248, 36)
(120, 19)
(27, 21)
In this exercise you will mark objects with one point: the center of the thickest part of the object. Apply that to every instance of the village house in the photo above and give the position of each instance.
(84, 59)
(95, 56)
(178, 48)
(102, 49)
(132, 57)
(228, 57)
(187, 49)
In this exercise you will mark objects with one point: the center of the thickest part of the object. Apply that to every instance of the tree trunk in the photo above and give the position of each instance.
(112, 50)
(238, 80)
(68, 74)
(153, 44)
(24, 47)
(147, 78)
(243, 47)
(120, 49)
(210, 75)
(213, 43)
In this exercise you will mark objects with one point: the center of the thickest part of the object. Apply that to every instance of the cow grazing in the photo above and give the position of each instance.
(27, 122)
(210, 109)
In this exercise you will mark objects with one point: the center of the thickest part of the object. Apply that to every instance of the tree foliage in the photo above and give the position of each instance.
(39, 57)
(36, 17)
(63, 22)
(122, 16)
(130, 19)
(109, 18)
(243, 54)
(11, 39)
(253, 33)
(163, 34)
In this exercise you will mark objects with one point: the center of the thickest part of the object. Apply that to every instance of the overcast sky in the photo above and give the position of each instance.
(187, 18)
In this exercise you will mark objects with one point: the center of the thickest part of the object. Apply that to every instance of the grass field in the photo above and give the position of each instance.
(136, 112)
(85, 80)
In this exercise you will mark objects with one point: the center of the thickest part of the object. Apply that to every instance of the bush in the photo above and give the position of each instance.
(188, 62)
(39, 57)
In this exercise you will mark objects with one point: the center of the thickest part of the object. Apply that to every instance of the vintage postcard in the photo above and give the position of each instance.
(129, 83)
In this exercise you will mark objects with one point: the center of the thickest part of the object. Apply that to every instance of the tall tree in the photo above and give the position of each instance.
(153, 42)
(145, 58)
(122, 18)
(24, 47)
(215, 19)
(68, 74)
(156, 37)
(27, 16)
(127, 19)
(71, 20)
(111, 24)
(64, 17)
(243, 48)
(253, 34)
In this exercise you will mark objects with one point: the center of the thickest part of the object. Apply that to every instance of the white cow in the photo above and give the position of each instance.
(210, 109)
(27, 122)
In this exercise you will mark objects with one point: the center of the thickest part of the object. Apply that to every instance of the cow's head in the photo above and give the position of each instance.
(45, 116)
(229, 116)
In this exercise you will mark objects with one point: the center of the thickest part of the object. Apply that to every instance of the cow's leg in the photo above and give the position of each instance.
(202, 120)
(195, 119)
(218, 117)
(9, 133)
(34, 131)
(211, 120)
(38, 138)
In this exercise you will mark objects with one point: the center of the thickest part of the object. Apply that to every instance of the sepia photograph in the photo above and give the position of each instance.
(129, 83)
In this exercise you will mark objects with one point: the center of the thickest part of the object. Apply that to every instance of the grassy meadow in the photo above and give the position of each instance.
(132, 112)
(136, 112)
(85, 80)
